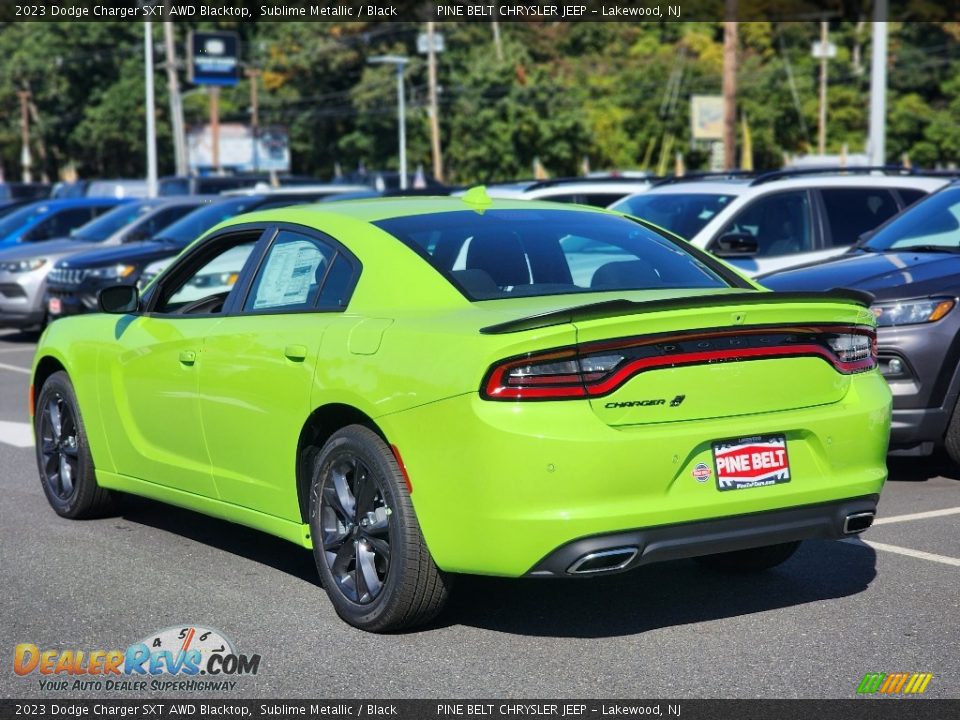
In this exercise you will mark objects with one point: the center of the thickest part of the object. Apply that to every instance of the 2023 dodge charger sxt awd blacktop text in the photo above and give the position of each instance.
(416, 388)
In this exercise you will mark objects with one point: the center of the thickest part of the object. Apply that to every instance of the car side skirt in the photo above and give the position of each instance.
(295, 532)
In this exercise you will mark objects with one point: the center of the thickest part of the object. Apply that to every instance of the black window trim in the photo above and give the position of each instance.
(233, 306)
(339, 250)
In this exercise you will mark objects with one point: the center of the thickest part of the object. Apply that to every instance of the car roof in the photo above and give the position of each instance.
(63, 203)
(743, 186)
(376, 209)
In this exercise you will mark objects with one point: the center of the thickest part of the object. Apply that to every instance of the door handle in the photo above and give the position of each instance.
(297, 353)
(188, 357)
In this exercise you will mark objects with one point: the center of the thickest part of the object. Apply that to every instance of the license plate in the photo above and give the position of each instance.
(751, 462)
(54, 307)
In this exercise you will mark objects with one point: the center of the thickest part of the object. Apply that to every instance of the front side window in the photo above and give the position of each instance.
(780, 224)
(509, 253)
(204, 288)
(291, 275)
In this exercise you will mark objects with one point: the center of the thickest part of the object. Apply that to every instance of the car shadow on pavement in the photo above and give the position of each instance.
(20, 337)
(921, 469)
(651, 597)
(251, 544)
(657, 596)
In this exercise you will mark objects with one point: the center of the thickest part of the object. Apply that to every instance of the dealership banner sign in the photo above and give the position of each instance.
(460, 11)
(489, 709)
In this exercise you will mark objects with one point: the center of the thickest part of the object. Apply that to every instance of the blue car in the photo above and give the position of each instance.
(49, 219)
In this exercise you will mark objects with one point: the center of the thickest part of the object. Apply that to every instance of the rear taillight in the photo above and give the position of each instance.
(597, 369)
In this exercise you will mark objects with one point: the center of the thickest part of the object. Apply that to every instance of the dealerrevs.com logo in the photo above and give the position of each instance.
(181, 658)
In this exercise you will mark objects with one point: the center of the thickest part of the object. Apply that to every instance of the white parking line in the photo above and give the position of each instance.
(14, 368)
(909, 552)
(20, 349)
(18, 434)
(917, 516)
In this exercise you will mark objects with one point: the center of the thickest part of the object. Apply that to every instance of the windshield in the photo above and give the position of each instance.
(509, 253)
(682, 214)
(22, 217)
(107, 224)
(934, 222)
(192, 226)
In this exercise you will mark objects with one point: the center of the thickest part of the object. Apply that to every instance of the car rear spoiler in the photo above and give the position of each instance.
(613, 308)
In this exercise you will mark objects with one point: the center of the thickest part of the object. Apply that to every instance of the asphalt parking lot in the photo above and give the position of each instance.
(811, 628)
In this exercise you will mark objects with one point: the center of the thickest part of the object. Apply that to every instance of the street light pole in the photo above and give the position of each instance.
(400, 63)
(876, 143)
(151, 110)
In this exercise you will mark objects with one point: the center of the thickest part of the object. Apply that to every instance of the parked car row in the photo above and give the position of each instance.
(90, 243)
(866, 228)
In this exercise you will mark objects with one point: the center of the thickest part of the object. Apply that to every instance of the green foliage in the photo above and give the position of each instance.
(614, 93)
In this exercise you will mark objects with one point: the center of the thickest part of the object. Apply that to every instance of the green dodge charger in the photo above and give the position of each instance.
(416, 388)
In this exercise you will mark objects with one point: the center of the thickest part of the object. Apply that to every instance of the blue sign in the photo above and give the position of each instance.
(214, 58)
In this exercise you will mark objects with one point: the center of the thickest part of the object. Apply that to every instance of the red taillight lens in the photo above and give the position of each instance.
(597, 369)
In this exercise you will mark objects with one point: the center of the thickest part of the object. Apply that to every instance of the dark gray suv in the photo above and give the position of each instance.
(911, 265)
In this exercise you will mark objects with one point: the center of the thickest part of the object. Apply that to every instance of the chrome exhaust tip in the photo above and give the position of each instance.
(857, 522)
(603, 561)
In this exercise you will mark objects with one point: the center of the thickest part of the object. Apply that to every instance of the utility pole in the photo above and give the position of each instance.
(25, 158)
(150, 109)
(176, 101)
(434, 109)
(730, 87)
(253, 74)
(400, 63)
(497, 44)
(41, 145)
(876, 143)
(822, 122)
(214, 91)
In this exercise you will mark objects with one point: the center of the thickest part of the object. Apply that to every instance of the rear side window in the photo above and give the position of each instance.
(853, 211)
(509, 253)
(291, 275)
(683, 214)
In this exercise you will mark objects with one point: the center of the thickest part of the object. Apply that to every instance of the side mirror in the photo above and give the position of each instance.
(736, 245)
(119, 299)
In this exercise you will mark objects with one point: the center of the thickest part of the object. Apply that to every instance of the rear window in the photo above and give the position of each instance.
(510, 253)
(682, 214)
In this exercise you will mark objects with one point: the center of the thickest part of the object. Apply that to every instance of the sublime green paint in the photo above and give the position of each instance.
(497, 485)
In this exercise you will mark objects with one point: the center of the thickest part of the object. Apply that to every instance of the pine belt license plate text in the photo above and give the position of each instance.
(751, 462)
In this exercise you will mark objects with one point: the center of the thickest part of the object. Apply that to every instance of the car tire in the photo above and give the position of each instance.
(951, 438)
(64, 462)
(370, 553)
(750, 560)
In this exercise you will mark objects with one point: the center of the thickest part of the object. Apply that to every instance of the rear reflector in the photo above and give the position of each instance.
(599, 368)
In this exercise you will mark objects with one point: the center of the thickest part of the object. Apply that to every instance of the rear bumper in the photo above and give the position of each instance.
(826, 521)
(499, 486)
